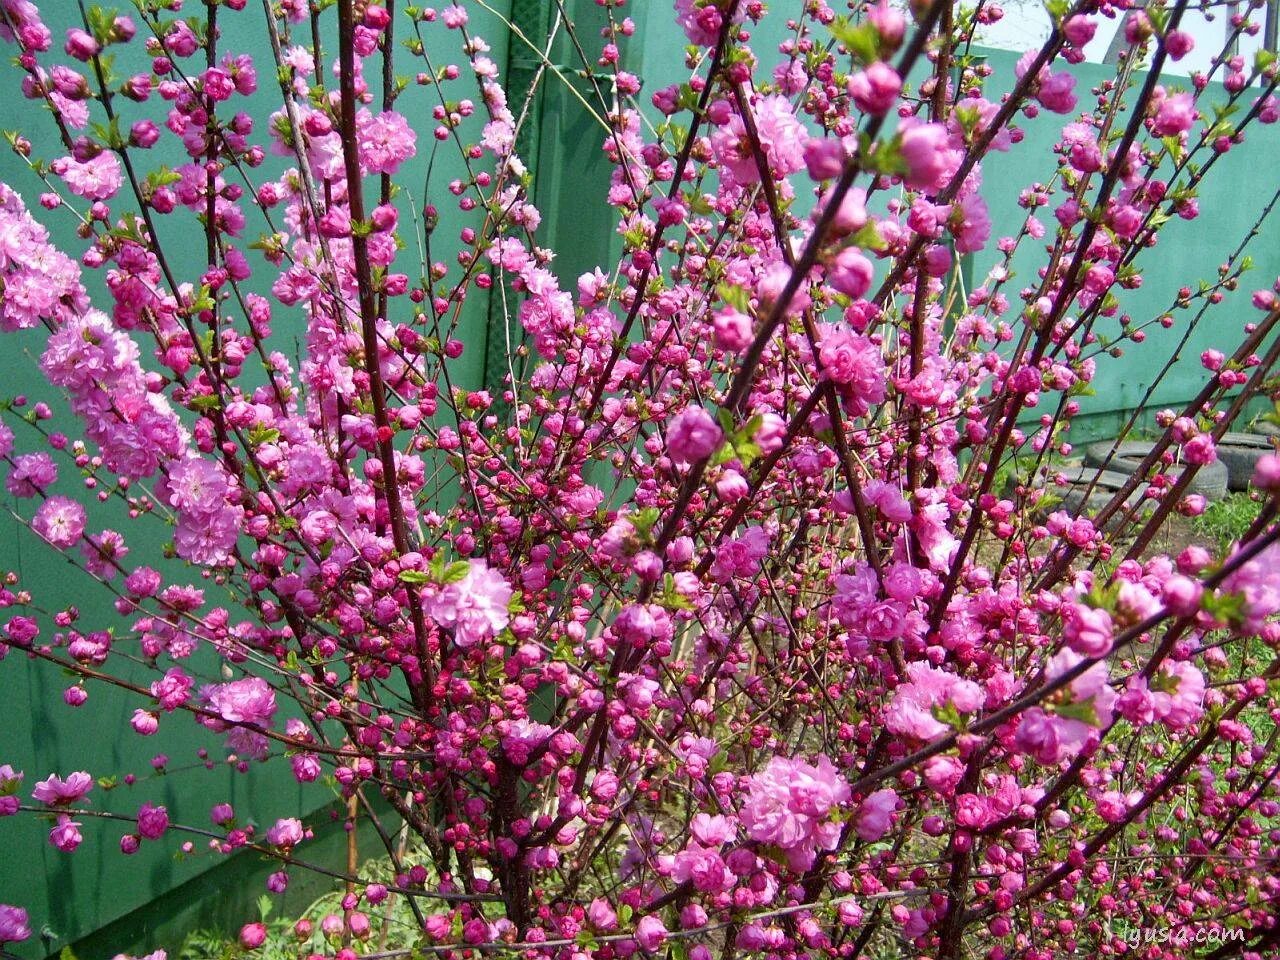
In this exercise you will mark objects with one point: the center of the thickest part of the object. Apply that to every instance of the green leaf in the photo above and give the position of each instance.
(643, 520)
(1057, 9)
(415, 576)
(735, 296)
(862, 39)
(101, 23)
(264, 906)
(456, 572)
(262, 434)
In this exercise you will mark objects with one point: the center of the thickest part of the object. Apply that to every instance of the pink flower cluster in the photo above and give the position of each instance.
(792, 805)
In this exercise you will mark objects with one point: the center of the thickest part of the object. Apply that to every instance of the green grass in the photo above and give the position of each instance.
(1227, 520)
(393, 924)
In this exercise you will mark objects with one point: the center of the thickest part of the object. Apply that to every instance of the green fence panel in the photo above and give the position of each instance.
(1188, 252)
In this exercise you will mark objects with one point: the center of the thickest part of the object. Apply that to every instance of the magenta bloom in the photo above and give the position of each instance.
(790, 805)
(651, 933)
(152, 821)
(13, 924)
(287, 832)
(57, 792)
(693, 435)
(741, 556)
(910, 712)
(855, 362)
(925, 150)
(31, 473)
(250, 700)
(781, 136)
(65, 834)
(875, 815)
(1174, 116)
(1088, 631)
(385, 141)
(1072, 717)
(1177, 694)
(96, 179)
(253, 935)
(10, 781)
(60, 521)
(876, 89)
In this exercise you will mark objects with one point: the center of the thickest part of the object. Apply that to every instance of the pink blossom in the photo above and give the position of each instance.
(1257, 581)
(702, 22)
(1177, 694)
(781, 136)
(13, 924)
(1087, 630)
(96, 179)
(172, 690)
(790, 805)
(855, 362)
(250, 700)
(10, 782)
(875, 815)
(1054, 90)
(1072, 717)
(1179, 43)
(474, 607)
(824, 158)
(1079, 30)
(970, 223)
(733, 329)
(144, 722)
(31, 473)
(703, 867)
(651, 933)
(60, 521)
(741, 556)
(1174, 115)
(385, 141)
(910, 712)
(850, 272)
(601, 915)
(57, 792)
(253, 935)
(1200, 450)
(287, 832)
(1266, 473)
(1113, 806)
(875, 90)
(693, 435)
(152, 821)
(65, 834)
(925, 151)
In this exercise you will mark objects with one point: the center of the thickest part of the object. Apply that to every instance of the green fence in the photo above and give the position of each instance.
(94, 897)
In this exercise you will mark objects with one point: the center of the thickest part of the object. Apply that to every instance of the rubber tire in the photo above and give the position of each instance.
(1240, 452)
(1106, 484)
(1210, 480)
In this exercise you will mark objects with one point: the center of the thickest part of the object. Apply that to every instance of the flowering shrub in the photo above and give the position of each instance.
(746, 615)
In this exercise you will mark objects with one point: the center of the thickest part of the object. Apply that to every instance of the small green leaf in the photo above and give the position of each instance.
(456, 572)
